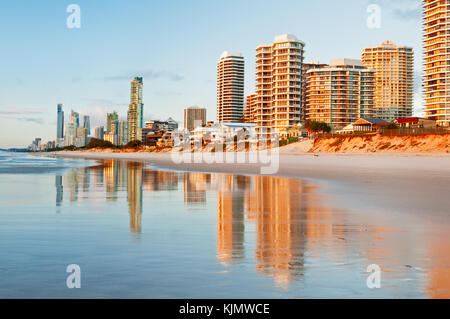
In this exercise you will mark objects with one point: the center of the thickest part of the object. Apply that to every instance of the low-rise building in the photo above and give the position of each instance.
(415, 122)
(363, 125)
(368, 125)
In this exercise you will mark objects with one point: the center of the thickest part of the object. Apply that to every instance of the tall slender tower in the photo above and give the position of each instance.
(394, 79)
(279, 84)
(110, 118)
(87, 124)
(230, 87)
(135, 111)
(436, 84)
(60, 123)
(75, 119)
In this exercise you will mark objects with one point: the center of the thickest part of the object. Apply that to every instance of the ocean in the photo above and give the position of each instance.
(138, 231)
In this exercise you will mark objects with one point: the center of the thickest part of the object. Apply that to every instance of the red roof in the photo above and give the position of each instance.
(407, 120)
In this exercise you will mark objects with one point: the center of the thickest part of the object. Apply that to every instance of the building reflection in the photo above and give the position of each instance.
(134, 191)
(285, 219)
(195, 187)
(276, 205)
(438, 286)
(230, 217)
(59, 190)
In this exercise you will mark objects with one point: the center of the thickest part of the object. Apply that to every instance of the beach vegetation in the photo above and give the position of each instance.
(96, 143)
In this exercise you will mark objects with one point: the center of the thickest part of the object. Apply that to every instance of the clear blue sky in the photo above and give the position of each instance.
(173, 44)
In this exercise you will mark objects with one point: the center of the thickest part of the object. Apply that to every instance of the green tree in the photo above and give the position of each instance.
(134, 144)
(391, 126)
(315, 126)
(96, 143)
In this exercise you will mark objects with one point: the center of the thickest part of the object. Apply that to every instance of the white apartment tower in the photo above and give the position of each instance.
(230, 87)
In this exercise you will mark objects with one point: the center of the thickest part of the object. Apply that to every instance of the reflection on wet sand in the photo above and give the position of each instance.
(289, 217)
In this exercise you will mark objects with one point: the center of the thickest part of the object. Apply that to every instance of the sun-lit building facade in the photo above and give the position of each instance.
(250, 108)
(279, 84)
(436, 44)
(135, 110)
(340, 93)
(394, 79)
(230, 87)
(194, 116)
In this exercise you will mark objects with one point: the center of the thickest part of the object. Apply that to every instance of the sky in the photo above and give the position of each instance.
(174, 44)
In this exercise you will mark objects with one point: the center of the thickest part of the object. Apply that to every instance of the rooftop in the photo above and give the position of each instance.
(343, 61)
(227, 54)
(285, 38)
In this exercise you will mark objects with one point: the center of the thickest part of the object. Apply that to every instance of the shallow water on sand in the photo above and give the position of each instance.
(140, 232)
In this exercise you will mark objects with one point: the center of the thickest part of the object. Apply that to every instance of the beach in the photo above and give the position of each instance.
(139, 225)
(411, 183)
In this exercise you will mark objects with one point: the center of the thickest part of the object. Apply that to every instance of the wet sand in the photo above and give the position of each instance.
(415, 184)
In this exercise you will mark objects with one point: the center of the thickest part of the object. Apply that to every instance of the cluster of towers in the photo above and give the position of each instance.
(289, 91)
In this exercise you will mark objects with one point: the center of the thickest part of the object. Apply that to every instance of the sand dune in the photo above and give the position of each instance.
(384, 144)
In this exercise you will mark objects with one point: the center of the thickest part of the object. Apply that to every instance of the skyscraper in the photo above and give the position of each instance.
(436, 42)
(110, 117)
(75, 119)
(135, 111)
(230, 87)
(87, 124)
(394, 79)
(279, 84)
(340, 93)
(60, 123)
(250, 107)
(120, 131)
(194, 116)
(99, 132)
(306, 67)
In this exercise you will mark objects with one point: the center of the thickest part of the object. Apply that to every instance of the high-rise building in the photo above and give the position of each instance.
(230, 87)
(306, 67)
(193, 117)
(136, 110)
(394, 79)
(99, 132)
(340, 93)
(69, 137)
(81, 137)
(60, 123)
(87, 124)
(250, 108)
(279, 84)
(75, 119)
(120, 131)
(110, 117)
(436, 42)
(172, 125)
(109, 137)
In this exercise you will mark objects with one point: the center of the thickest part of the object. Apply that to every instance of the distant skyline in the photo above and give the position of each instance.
(174, 45)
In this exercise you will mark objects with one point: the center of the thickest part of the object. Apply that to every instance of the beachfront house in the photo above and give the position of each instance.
(415, 122)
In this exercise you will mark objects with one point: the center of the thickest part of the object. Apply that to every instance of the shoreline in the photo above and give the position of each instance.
(411, 184)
